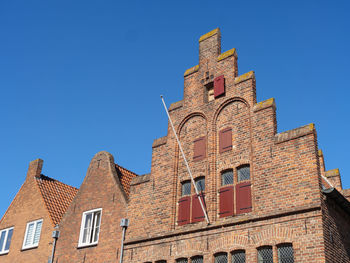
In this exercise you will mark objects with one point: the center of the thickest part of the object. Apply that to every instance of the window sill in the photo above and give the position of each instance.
(87, 245)
(29, 248)
(4, 253)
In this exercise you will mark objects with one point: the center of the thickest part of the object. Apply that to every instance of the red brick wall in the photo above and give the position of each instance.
(100, 189)
(27, 206)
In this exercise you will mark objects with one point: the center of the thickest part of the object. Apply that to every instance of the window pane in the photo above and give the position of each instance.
(37, 233)
(197, 259)
(221, 258)
(243, 173)
(87, 228)
(97, 225)
(200, 183)
(285, 253)
(265, 255)
(186, 188)
(227, 177)
(2, 240)
(182, 260)
(8, 241)
(29, 237)
(238, 256)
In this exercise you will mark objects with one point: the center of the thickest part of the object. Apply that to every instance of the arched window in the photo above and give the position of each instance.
(181, 260)
(200, 184)
(220, 257)
(265, 254)
(238, 256)
(285, 253)
(197, 259)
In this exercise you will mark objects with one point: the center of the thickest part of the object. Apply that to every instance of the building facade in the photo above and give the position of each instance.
(267, 195)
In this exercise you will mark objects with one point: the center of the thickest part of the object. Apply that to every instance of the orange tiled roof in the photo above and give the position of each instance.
(125, 177)
(57, 196)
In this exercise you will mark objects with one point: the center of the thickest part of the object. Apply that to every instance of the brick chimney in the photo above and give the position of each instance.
(34, 169)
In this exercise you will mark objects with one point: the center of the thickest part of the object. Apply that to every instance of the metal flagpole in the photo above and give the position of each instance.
(188, 167)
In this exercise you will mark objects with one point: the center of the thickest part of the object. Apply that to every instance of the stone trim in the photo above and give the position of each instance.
(331, 173)
(244, 77)
(160, 141)
(229, 53)
(295, 133)
(191, 70)
(320, 153)
(140, 179)
(175, 105)
(264, 104)
(209, 34)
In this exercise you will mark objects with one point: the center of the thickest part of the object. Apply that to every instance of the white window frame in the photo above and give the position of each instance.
(2, 249)
(81, 235)
(32, 244)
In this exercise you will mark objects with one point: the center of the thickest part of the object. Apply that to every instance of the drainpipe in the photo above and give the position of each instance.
(124, 223)
(55, 236)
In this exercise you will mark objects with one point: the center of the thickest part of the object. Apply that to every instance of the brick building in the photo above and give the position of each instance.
(27, 225)
(267, 195)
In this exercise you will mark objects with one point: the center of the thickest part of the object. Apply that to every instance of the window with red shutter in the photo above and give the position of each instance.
(243, 198)
(225, 140)
(197, 212)
(199, 151)
(226, 201)
(219, 86)
(184, 210)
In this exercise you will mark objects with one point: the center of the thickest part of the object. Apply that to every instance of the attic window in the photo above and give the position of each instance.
(32, 236)
(90, 227)
(210, 91)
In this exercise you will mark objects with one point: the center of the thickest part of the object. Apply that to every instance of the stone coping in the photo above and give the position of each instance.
(228, 53)
(264, 104)
(176, 105)
(140, 179)
(333, 172)
(244, 77)
(295, 133)
(160, 141)
(191, 70)
(209, 34)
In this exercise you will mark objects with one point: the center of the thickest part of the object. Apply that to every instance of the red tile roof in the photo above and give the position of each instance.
(57, 196)
(125, 177)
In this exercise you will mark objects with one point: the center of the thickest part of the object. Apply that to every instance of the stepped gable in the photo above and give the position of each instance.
(57, 196)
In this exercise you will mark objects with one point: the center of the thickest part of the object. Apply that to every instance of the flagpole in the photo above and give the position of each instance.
(188, 167)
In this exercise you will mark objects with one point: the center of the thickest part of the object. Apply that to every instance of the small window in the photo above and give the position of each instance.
(220, 258)
(161, 261)
(181, 260)
(5, 240)
(200, 184)
(243, 173)
(238, 256)
(197, 259)
(227, 177)
(90, 227)
(265, 255)
(285, 253)
(210, 91)
(32, 236)
(185, 188)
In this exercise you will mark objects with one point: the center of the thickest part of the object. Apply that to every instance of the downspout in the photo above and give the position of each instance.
(124, 223)
(55, 236)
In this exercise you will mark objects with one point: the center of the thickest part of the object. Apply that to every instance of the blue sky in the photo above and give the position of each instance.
(78, 77)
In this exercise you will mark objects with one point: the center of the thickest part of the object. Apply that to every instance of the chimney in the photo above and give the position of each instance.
(34, 169)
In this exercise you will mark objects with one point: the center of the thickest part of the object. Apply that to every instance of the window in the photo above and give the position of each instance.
(90, 227)
(5, 240)
(197, 211)
(265, 254)
(199, 151)
(182, 260)
(220, 258)
(227, 177)
(210, 91)
(238, 256)
(243, 173)
(32, 236)
(161, 261)
(225, 140)
(197, 259)
(285, 253)
(186, 188)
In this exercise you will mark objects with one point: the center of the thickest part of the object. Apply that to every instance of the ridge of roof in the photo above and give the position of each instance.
(125, 176)
(57, 196)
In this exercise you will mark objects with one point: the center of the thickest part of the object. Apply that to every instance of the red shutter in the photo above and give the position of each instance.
(184, 210)
(225, 140)
(243, 198)
(197, 212)
(226, 201)
(199, 149)
(219, 86)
